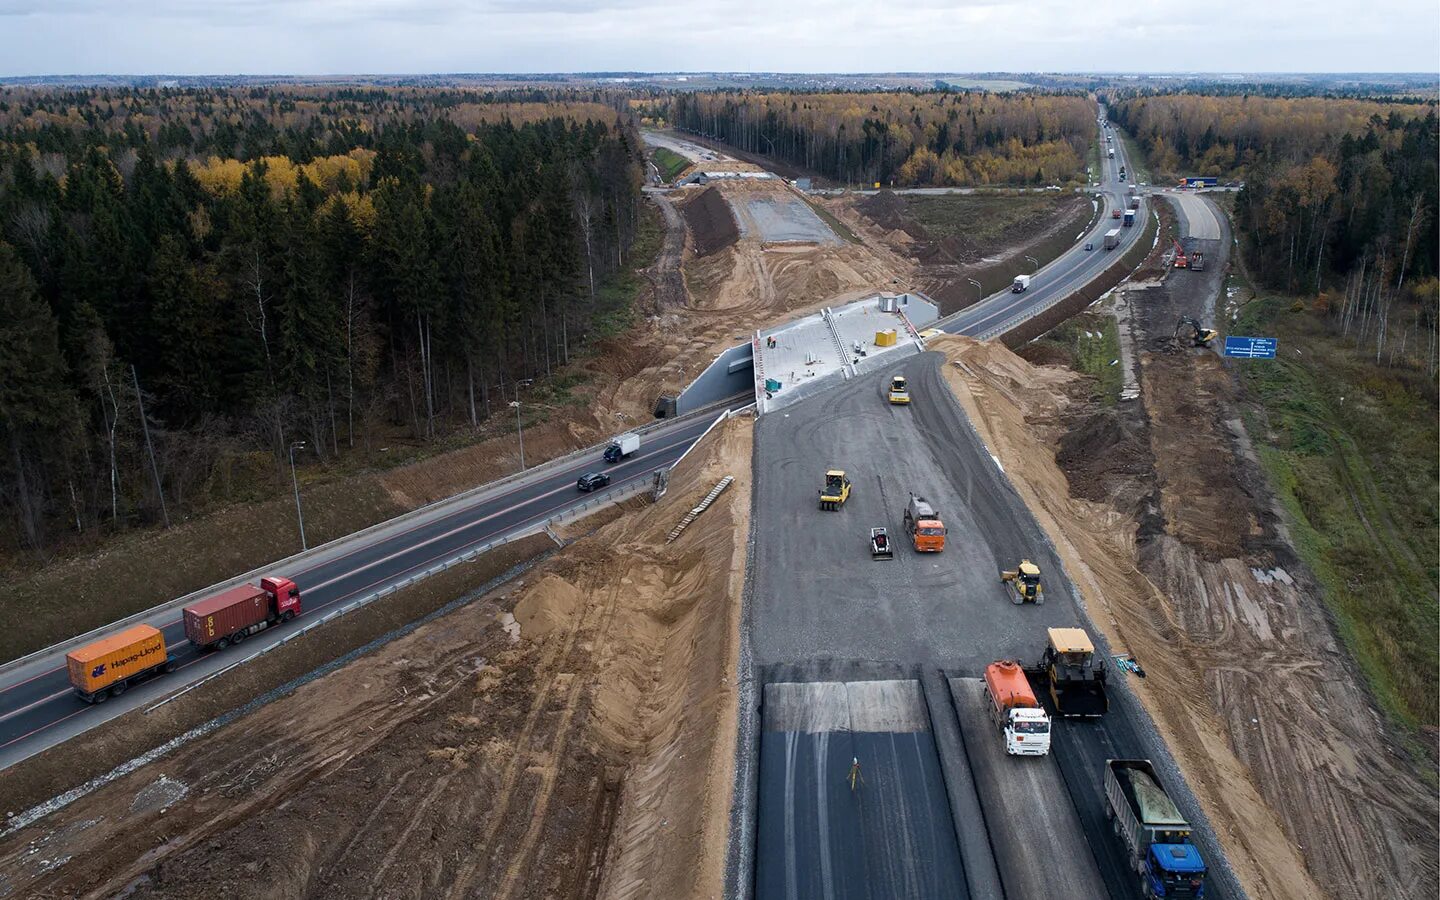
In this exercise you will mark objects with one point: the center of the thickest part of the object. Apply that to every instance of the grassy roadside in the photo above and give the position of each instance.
(669, 163)
(1090, 344)
(1048, 248)
(1138, 170)
(1349, 448)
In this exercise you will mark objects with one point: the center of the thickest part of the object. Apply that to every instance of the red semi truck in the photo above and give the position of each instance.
(231, 616)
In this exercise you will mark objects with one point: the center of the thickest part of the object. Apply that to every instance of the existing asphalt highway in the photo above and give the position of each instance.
(1070, 271)
(38, 709)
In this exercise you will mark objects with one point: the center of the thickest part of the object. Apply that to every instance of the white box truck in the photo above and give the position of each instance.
(1021, 285)
(623, 446)
(1112, 239)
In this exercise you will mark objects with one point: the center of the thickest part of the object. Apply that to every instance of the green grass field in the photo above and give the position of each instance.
(1349, 447)
(986, 219)
(1092, 343)
(983, 218)
(669, 162)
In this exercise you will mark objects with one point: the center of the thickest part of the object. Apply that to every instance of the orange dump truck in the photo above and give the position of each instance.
(108, 666)
(923, 525)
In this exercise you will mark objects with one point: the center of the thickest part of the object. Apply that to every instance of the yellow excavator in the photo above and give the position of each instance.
(836, 490)
(1024, 583)
(1200, 336)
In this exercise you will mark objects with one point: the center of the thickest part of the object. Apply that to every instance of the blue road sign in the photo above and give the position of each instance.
(1250, 347)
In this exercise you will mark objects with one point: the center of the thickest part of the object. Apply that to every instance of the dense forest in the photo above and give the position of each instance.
(920, 138)
(194, 280)
(1225, 135)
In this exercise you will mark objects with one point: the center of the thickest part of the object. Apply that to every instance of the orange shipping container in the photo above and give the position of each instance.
(111, 659)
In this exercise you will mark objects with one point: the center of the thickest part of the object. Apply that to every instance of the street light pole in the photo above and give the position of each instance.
(979, 288)
(1034, 262)
(519, 425)
(295, 483)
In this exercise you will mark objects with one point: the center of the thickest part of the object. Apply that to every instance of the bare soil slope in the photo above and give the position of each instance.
(570, 736)
(1183, 564)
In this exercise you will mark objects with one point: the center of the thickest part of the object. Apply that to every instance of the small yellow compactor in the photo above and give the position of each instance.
(836, 490)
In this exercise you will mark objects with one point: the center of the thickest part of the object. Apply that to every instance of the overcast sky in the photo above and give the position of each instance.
(314, 37)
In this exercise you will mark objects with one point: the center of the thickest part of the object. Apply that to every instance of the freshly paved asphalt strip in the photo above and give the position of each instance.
(829, 829)
(1025, 808)
(38, 708)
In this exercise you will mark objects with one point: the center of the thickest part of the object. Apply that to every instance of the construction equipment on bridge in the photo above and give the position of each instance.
(1024, 583)
(922, 523)
(880, 544)
(1200, 336)
(836, 490)
(1075, 674)
(899, 391)
(1181, 260)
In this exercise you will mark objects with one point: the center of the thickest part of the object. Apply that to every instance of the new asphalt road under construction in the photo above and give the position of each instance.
(880, 774)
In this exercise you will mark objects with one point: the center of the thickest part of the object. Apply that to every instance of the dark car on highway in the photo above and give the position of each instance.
(593, 480)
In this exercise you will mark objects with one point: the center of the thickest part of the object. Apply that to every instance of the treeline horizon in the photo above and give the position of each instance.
(263, 267)
(919, 138)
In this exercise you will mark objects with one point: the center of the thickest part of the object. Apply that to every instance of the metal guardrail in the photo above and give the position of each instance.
(634, 486)
(1015, 322)
(540, 471)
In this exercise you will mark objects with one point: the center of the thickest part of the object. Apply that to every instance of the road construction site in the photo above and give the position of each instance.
(570, 733)
(1277, 725)
(825, 618)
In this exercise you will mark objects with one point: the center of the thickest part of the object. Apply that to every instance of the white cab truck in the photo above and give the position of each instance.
(1112, 239)
(621, 447)
(1111, 151)
(1021, 284)
(1024, 725)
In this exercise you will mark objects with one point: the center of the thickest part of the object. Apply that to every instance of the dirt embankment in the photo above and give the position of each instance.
(712, 224)
(569, 735)
(1166, 526)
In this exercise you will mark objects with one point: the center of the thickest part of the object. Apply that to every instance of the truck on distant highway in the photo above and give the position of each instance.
(1112, 239)
(1021, 284)
(621, 447)
(231, 616)
(1111, 152)
(1134, 201)
(1025, 726)
(1115, 213)
(1198, 181)
(1154, 831)
(922, 523)
(105, 668)
(1129, 217)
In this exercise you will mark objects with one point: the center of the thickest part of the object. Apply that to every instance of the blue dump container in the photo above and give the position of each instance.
(772, 385)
